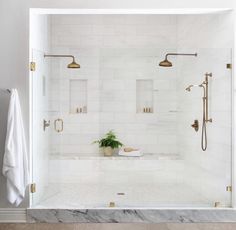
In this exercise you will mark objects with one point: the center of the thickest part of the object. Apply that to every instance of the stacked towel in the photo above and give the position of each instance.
(15, 161)
(134, 153)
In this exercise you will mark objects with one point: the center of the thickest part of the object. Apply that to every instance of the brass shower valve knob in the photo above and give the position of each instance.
(195, 125)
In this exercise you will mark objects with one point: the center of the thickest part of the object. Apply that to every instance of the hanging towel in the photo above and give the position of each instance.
(15, 161)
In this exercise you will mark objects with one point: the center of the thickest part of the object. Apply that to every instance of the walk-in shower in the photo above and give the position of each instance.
(120, 88)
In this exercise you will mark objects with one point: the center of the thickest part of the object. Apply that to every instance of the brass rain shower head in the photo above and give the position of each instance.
(72, 65)
(167, 63)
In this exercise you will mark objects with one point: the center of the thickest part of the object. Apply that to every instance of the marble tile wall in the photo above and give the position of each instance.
(114, 51)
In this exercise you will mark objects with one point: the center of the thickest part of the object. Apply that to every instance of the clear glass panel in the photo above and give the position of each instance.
(208, 173)
(173, 171)
(40, 116)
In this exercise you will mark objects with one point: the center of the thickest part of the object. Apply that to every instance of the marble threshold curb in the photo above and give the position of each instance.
(130, 215)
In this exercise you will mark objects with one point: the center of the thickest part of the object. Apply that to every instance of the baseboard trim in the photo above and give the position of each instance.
(12, 215)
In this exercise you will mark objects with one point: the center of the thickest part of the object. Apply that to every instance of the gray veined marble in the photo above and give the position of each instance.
(129, 215)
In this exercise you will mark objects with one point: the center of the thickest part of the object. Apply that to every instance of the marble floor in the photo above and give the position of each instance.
(99, 195)
(215, 226)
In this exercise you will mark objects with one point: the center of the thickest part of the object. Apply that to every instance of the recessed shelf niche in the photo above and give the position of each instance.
(144, 96)
(78, 96)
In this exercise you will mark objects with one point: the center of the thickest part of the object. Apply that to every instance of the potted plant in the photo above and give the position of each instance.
(109, 143)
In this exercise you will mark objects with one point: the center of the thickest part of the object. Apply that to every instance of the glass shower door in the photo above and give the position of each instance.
(39, 126)
(208, 172)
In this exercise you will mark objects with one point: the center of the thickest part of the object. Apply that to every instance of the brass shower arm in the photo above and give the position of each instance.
(180, 54)
(59, 55)
(167, 63)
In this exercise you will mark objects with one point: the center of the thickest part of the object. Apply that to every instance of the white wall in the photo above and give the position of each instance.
(14, 24)
(14, 48)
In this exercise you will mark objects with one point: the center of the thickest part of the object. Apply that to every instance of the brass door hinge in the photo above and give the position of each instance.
(229, 66)
(112, 204)
(33, 188)
(229, 188)
(32, 66)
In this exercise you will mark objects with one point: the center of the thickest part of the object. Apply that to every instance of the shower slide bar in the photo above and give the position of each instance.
(205, 118)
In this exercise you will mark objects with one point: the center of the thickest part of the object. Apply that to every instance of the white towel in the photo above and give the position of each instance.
(15, 161)
(135, 153)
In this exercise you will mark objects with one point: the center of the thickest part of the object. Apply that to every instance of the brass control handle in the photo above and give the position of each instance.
(195, 125)
(60, 129)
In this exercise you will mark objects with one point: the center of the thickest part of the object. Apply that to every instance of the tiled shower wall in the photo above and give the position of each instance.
(211, 169)
(114, 52)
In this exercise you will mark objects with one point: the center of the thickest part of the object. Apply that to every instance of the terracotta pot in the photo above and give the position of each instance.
(108, 151)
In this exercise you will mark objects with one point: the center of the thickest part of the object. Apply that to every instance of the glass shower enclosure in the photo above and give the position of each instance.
(120, 87)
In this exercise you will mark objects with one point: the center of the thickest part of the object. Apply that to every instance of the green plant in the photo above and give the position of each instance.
(110, 140)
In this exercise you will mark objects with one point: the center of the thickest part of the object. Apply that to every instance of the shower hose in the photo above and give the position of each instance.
(204, 131)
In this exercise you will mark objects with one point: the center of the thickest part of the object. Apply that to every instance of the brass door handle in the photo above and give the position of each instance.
(60, 129)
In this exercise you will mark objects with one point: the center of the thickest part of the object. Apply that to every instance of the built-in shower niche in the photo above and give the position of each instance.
(144, 96)
(78, 96)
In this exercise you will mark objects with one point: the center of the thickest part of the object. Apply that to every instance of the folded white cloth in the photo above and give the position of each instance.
(15, 161)
(135, 153)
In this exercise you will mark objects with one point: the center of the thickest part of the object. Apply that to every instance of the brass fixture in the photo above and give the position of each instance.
(205, 104)
(60, 129)
(195, 125)
(72, 65)
(33, 188)
(205, 97)
(189, 88)
(167, 63)
(112, 204)
(229, 188)
(229, 66)
(32, 66)
(46, 124)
